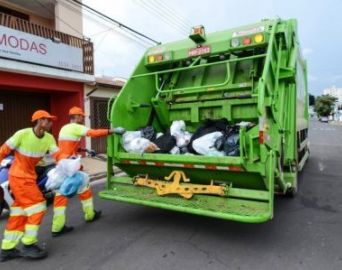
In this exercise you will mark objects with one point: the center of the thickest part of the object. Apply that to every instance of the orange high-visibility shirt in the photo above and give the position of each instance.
(28, 151)
(70, 136)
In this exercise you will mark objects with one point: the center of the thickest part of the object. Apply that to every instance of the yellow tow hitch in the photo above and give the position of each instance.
(176, 187)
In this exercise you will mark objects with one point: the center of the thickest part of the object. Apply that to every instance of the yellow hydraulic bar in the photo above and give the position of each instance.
(176, 187)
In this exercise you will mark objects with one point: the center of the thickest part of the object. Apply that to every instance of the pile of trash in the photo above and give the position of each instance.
(213, 138)
(67, 178)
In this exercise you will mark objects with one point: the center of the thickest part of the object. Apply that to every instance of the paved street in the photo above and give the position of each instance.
(306, 232)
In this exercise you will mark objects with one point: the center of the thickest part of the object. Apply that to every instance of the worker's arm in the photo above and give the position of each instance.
(82, 130)
(5, 150)
(97, 132)
(10, 145)
(104, 132)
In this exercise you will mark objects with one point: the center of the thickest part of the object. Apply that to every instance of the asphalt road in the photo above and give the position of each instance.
(306, 232)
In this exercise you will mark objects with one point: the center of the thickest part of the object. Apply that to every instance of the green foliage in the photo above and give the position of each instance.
(324, 105)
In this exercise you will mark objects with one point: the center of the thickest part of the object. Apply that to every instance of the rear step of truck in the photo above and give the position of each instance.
(244, 205)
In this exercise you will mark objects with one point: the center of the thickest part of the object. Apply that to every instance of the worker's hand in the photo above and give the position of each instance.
(117, 130)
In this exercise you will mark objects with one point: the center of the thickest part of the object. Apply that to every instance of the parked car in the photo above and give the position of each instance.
(324, 119)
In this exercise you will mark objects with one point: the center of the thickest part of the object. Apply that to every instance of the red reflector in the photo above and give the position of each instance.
(235, 168)
(246, 41)
(261, 137)
(188, 165)
(159, 57)
(210, 167)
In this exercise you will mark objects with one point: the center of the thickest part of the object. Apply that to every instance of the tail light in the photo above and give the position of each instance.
(258, 38)
(246, 41)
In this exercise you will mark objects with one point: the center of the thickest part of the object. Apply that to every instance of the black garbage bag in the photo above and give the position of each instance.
(208, 126)
(229, 143)
(165, 142)
(149, 133)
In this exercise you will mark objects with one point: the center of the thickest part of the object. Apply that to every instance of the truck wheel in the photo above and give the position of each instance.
(291, 192)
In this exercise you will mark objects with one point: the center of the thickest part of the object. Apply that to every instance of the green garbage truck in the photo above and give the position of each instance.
(252, 74)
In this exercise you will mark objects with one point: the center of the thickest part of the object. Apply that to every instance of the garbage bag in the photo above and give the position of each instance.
(229, 142)
(71, 185)
(184, 139)
(165, 143)
(129, 136)
(55, 179)
(175, 150)
(177, 130)
(205, 145)
(85, 182)
(209, 126)
(141, 145)
(148, 133)
(159, 134)
(231, 145)
(70, 166)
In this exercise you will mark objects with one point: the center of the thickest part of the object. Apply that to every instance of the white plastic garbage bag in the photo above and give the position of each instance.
(182, 136)
(184, 139)
(205, 144)
(177, 127)
(133, 142)
(70, 166)
(175, 150)
(129, 136)
(140, 145)
(55, 179)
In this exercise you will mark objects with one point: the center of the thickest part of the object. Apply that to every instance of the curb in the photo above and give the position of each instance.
(97, 176)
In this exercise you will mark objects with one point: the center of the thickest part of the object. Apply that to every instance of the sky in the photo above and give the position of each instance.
(117, 52)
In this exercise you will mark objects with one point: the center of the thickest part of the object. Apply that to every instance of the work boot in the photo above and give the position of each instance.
(33, 252)
(9, 254)
(96, 216)
(64, 230)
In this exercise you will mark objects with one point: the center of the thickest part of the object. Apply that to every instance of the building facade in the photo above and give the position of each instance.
(97, 98)
(44, 61)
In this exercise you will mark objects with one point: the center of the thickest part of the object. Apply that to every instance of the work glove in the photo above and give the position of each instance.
(117, 130)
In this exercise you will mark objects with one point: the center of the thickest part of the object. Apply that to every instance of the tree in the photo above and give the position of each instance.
(324, 105)
(311, 100)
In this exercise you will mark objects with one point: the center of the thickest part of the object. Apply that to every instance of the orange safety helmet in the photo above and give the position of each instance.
(42, 114)
(76, 111)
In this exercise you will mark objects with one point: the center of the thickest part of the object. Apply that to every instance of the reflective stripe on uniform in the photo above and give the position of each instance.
(11, 239)
(87, 203)
(17, 211)
(10, 144)
(57, 211)
(12, 235)
(31, 230)
(65, 138)
(30, 154)
(34, 209)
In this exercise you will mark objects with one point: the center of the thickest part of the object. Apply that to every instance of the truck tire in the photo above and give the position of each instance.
(291, 192)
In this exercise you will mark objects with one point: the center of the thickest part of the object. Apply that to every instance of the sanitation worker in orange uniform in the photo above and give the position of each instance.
(26, 213)
(69, 142)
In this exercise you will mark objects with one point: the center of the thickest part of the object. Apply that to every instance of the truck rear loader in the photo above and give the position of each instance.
(253, 74)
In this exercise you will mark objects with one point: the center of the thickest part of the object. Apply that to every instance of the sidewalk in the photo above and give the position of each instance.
(95, 168)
